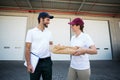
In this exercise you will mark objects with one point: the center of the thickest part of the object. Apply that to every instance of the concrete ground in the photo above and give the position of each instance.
(100, 70)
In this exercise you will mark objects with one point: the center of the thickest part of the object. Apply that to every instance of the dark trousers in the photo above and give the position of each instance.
(44, 68)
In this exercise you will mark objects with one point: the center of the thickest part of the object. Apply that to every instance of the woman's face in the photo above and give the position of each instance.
(75, 28)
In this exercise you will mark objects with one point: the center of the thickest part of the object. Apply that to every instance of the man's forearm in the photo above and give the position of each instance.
(27, 56)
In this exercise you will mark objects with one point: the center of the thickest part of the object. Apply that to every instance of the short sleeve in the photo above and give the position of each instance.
(89, 41)
(29, 36)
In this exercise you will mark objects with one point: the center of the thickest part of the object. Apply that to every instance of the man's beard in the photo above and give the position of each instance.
(45, 26)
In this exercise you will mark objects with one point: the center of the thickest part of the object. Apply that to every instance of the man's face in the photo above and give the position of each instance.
(46, 21)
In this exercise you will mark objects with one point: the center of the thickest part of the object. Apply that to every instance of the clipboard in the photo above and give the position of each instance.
(34, 60)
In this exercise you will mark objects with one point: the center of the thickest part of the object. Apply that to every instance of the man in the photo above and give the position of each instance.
(38, 41)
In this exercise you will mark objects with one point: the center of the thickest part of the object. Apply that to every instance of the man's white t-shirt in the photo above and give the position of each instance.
(81, 62)
(39, 41)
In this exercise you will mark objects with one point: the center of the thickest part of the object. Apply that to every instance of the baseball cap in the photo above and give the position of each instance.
(45, 14)
(78, 21)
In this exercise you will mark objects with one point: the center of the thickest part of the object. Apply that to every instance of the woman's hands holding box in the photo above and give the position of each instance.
(60, 49)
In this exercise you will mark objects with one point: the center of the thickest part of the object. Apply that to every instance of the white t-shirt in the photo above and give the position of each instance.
(39, 41)
(81, 62)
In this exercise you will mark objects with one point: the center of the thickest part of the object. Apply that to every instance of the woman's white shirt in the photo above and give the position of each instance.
(84, 41)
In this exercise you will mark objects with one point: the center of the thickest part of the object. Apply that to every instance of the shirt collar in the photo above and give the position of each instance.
(39, 29)
(79, 35)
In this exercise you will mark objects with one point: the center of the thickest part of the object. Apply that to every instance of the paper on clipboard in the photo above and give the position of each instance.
(34, 61)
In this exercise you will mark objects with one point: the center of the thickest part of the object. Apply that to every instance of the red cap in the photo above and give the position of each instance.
(78, 21)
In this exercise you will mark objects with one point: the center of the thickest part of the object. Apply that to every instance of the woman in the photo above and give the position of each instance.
(80, 65)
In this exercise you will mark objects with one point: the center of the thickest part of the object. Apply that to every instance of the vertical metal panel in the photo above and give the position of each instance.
(115, 38)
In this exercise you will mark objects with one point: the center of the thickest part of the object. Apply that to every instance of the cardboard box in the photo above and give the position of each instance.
(58, 49)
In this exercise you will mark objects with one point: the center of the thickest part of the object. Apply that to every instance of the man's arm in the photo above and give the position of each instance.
(27, 56)
(27, 53)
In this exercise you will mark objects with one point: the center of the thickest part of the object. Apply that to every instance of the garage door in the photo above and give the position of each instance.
(61, 35)
(12, 37)
(99, 31)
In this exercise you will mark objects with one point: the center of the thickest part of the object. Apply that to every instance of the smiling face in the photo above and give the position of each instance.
(45, 21)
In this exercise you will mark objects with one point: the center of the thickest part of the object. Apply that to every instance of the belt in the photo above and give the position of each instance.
(41, 58)
(47, 58)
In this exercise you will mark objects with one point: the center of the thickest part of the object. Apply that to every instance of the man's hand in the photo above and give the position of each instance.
(30, 68)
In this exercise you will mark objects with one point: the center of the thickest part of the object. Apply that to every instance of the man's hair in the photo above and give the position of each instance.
(39, 19)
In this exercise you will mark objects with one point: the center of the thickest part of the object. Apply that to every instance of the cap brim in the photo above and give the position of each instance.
(51, 17)
(71, 23)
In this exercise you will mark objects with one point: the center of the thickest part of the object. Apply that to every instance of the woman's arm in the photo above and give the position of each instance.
(82, 51)
(91, 50)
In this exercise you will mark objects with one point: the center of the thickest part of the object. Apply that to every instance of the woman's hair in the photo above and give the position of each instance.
(81, 27)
